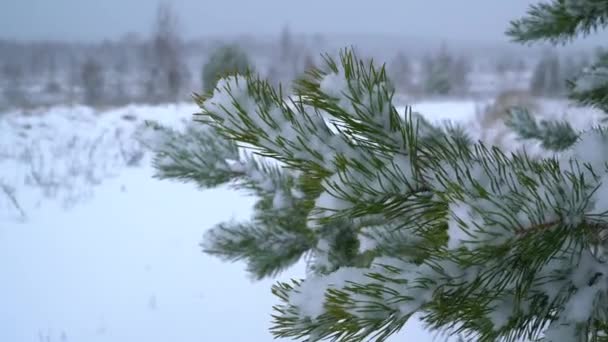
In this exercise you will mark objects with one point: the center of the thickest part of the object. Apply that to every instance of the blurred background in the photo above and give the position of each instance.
(112, 53)
(93, 248)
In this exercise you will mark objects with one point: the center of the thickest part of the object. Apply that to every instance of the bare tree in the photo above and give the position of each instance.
(93, 82)
(167, 70)
(13, 90)
(286, 45)
(72, 78)
(309, 62)
(546, 78)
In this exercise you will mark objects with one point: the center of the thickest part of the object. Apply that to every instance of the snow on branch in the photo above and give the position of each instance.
(552, 135)
(397, 216)
(591, 87)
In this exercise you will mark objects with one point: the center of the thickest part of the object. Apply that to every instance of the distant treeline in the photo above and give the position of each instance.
(162, 67)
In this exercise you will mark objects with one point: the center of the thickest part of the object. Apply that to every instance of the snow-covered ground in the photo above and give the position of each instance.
(122, 262)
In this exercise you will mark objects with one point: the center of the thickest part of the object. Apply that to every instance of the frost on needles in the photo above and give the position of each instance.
(396, 216)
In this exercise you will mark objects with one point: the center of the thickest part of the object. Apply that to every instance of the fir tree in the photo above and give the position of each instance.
(396, 216)
(400, 71)
(437, 80)
(548, 78)
(445, 74)
(227, 59)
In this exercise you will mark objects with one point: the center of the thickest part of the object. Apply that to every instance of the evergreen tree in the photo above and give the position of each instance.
(555, 81)
(400, 71)
(436, 71)
(460, 75)
(548, 78)
(226, 60)
(445, 74)
(309, 62)
(538, 82)
(569, 71)
(286, 46)
(396, 216)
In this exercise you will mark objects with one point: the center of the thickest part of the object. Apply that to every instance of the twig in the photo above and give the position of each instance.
(11, 196)
(532, 229)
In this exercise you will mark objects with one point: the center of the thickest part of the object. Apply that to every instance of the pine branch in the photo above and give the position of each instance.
(590, 88)
(552, 135)
(198, 154)
(278, 235)
(202, 156)
(267, 250)
(249, 111)
(358, 98)
(560, 21)
(373, 315)
(399, 216)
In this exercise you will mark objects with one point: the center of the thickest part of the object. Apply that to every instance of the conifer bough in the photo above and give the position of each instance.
(396, 216)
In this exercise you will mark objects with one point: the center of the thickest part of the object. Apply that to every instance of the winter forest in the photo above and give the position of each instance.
(222, 172)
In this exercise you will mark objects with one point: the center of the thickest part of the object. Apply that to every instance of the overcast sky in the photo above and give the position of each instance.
(471, 20)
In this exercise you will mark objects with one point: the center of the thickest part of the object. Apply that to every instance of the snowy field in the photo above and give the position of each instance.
(92, 248)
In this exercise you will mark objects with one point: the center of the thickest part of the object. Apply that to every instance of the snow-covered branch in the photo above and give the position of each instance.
(398, 216)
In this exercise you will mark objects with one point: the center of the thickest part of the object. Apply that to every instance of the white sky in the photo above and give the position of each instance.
(471, 20)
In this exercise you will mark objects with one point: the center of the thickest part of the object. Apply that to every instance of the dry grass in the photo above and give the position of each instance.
(491, 118)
